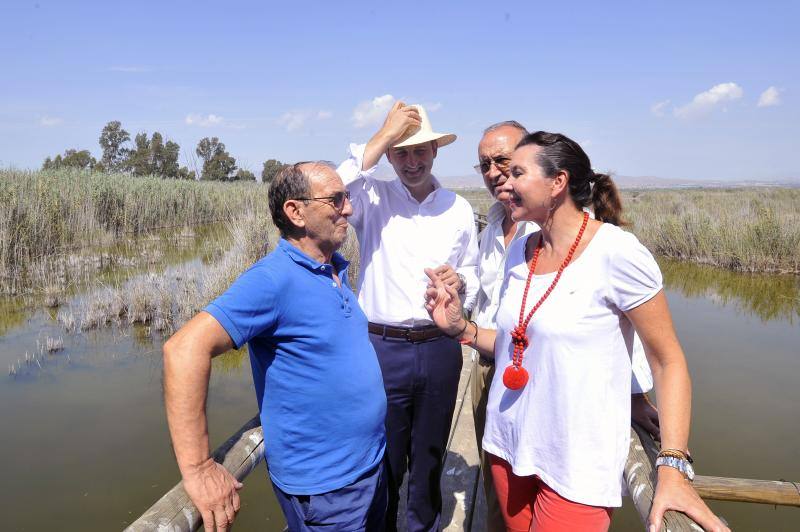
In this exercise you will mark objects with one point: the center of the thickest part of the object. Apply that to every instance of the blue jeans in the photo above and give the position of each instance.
(360, 506)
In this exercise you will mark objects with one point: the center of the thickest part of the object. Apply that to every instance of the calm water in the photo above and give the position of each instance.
(85, 443)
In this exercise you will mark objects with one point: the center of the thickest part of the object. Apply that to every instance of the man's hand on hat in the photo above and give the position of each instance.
(400, 119)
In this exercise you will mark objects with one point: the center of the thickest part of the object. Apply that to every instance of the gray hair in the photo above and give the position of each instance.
(291, 183)
(506, 123)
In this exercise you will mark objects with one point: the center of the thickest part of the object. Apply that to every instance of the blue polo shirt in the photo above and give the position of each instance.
(318, 383)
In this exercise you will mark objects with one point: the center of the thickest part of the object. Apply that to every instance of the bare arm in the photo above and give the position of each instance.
(401, 117)
(653, 323)
(187, 367)
(444, 306)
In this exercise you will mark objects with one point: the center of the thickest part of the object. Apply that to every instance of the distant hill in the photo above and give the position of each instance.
(385, 171)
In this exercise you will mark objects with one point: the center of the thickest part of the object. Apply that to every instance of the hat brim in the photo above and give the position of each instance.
(421, 137)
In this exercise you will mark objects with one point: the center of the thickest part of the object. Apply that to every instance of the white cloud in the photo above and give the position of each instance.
(324, 115)
(293, 120)
(193, 119)
(50, 121)
(706, 101)
(372, 112)
(770, 97)
(658, 109)
(432, 107)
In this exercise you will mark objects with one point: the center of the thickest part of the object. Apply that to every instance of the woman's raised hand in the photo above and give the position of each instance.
(444, 305)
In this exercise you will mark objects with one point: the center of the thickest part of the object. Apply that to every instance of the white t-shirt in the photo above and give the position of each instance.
(570, 424)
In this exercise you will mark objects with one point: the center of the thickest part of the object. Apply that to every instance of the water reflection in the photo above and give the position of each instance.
(770, 297)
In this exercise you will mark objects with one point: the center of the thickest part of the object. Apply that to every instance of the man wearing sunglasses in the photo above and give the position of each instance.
(324, 435)
(404, 226)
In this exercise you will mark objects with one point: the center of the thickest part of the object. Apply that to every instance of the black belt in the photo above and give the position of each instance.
(414, 335)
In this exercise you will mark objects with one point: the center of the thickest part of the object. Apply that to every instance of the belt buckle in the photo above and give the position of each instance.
(411, 336)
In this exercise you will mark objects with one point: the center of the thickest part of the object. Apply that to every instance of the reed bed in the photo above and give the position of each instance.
(164, 300)
(740, 229)
(748, 230)
(47, 215)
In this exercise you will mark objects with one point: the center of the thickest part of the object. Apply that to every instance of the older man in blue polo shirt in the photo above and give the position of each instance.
(324, 432)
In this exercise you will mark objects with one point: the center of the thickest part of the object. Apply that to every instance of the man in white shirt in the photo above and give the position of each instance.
(404, 226)
(494, 155)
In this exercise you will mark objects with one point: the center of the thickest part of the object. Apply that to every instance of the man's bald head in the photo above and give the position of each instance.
(494, 153)
(293, 182)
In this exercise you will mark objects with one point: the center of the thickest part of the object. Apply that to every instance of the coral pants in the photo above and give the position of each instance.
(528, 503)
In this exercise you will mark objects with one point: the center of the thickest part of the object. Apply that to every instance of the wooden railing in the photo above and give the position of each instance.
(241, 453)
(174, 512)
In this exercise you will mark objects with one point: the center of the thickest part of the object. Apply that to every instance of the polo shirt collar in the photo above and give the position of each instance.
(339, 262)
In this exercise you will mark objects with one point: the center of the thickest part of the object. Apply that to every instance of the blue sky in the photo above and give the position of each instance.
(691, 90)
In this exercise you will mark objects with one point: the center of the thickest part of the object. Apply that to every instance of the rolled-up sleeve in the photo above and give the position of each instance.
(356, 180)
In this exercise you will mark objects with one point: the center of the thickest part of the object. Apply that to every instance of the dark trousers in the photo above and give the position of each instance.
(357, 507)
(421, 382)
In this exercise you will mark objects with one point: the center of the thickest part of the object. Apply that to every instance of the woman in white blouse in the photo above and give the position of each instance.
(558, 415)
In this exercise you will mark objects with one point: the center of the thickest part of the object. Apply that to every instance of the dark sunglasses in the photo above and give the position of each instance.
(337, 200)
(502, 164)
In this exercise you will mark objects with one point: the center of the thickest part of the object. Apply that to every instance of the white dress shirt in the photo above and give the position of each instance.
(399, 237)
(492, 256)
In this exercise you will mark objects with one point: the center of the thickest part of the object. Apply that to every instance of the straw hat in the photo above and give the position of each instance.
(424, 133)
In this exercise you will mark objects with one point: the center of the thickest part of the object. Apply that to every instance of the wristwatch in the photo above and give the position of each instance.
(463, 288)
(678, 463)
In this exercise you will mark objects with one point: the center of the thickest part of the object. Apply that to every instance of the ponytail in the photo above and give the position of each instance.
(606, 201)
(586, 188)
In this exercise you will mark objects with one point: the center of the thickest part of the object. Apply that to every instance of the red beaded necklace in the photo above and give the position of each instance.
(515, 376)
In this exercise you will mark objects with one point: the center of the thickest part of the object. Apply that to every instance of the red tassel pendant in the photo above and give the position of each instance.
(515, 377)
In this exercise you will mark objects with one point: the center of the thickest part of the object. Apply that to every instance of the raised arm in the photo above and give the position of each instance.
(653, 323)
(400, 119)
(187, 367)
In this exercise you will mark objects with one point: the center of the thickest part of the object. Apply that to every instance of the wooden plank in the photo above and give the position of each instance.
(459, 480)
(174, 512)
(748, 490)
(640, 477)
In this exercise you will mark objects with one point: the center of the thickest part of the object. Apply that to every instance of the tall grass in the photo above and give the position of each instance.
(164, 300)
(44, 215)
(741, 229)
(750, 230)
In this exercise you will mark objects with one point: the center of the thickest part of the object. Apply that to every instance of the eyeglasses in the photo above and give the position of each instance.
(337, 200)
(501, 163)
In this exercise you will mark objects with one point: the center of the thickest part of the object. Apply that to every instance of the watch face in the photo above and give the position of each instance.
(689, 471)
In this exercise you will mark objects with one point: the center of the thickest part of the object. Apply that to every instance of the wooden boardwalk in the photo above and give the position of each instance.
(464, 506)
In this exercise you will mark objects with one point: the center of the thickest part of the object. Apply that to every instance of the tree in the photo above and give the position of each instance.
(139, 157)
(244, 175)
(185, 173)
(218, 165)
(111, 140)
(81, 160)
(272, 167)
(154, 157)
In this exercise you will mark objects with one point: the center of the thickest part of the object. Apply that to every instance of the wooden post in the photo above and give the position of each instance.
(174, 512)
(640, 476)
